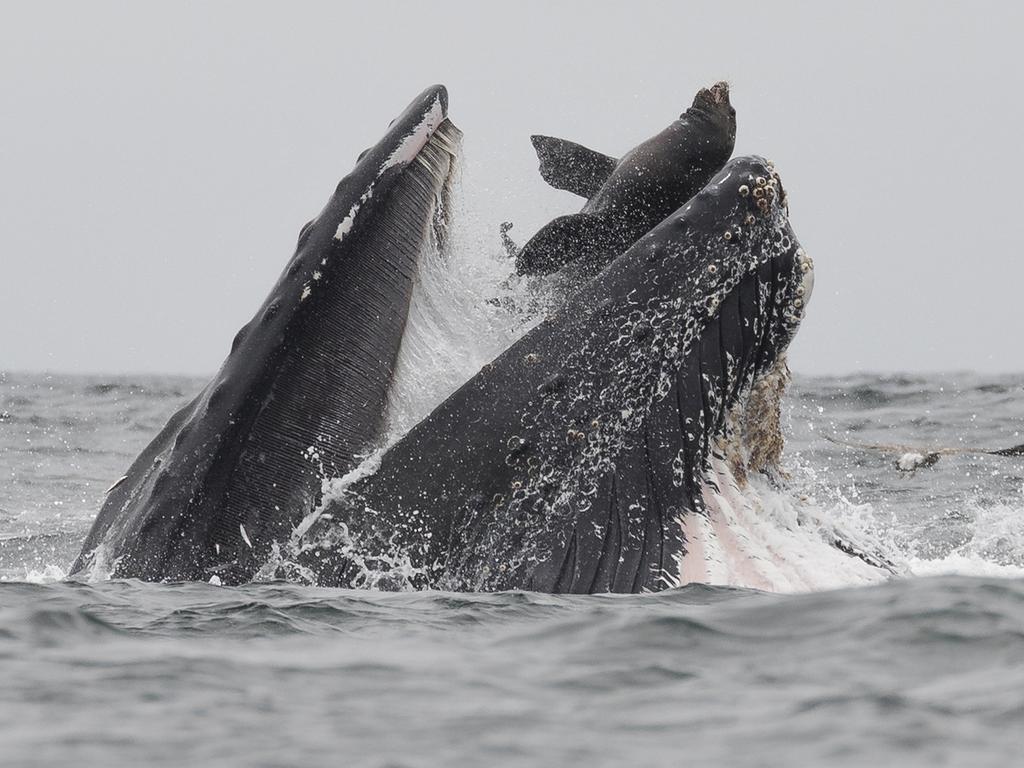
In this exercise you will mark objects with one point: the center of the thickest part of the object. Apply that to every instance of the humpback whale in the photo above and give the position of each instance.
(304, 387)
(628, 196)
(575, 461)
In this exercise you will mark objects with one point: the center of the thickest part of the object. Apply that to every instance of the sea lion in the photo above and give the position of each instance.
(626, 198)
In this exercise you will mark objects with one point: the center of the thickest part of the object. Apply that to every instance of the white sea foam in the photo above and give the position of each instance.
(994, 545)
(990, 535)
(780, 539)
(46, 575)
(964, 564)
(761, 537)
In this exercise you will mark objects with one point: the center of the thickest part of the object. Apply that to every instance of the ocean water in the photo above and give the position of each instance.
(926, 668)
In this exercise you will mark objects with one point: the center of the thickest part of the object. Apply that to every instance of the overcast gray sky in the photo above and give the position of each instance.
(159, 160)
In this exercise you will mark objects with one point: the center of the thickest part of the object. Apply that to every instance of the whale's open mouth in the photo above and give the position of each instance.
(573, 462)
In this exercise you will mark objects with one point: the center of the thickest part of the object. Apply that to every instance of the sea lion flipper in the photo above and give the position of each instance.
(572, 167)
(576, 237)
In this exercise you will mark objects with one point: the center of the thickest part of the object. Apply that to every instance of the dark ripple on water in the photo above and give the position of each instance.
(907, 673)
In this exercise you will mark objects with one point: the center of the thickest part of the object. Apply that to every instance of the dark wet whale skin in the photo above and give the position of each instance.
(567, 464)
(302, 391)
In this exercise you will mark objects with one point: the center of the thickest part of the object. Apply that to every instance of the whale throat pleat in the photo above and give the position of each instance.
(326, 404)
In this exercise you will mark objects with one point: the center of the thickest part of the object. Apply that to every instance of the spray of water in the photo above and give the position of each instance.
(467, 307)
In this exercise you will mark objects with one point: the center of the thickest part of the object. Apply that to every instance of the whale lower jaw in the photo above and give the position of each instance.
(303, 391)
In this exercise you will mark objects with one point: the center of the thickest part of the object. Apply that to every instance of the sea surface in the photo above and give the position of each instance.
(923, 669)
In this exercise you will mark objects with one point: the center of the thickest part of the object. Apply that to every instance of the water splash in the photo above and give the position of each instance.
(467, 307)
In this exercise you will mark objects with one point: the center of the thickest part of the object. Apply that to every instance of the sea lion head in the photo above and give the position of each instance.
(714, 103)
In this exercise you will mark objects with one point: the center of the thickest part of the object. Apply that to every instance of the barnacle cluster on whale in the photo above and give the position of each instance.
(576, 461)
